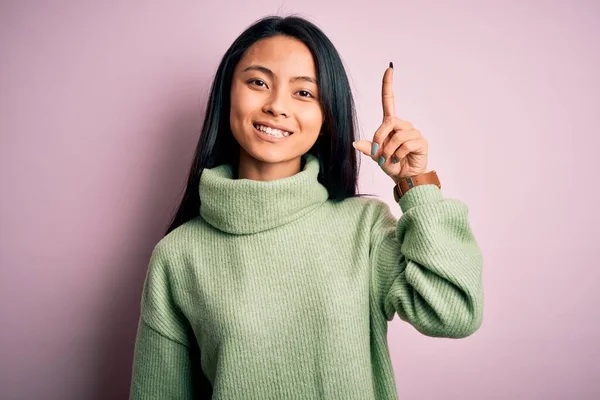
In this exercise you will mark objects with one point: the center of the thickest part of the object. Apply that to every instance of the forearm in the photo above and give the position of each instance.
(429, 268)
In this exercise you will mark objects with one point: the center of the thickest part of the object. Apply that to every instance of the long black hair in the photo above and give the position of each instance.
(337, 158)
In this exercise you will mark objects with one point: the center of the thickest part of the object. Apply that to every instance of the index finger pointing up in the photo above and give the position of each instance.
(387, 93)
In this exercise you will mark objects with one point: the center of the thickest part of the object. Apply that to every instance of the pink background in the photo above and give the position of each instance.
(100, 108)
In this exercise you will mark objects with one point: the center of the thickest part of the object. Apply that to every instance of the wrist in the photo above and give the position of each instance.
(404, 184)
(398, 178)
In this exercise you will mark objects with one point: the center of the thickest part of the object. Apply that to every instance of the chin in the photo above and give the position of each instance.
(271, 156)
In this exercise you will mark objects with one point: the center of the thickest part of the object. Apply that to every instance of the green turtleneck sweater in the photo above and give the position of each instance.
(276, 292)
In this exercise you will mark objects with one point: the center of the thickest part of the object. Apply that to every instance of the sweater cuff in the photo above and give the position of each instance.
(420, 195)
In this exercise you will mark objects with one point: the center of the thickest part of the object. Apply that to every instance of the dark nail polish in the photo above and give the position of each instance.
(381, 161)
(391, 64)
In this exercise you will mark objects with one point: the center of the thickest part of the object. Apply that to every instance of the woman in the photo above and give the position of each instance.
(275, 279)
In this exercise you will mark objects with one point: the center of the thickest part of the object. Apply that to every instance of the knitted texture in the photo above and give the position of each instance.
(276, 292)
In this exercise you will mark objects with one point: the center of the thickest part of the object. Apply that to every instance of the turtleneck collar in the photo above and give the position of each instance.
(244, 206)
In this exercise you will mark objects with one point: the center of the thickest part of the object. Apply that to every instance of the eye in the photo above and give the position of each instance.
(252, 81)
(307, 93)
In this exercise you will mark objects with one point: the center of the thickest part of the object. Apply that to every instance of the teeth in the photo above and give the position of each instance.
(272, 131)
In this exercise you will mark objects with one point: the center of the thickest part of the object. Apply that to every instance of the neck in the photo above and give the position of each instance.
(244, 206)
(256, 170)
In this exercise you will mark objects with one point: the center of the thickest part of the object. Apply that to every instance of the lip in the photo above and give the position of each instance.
(268, 138)
(281, 128)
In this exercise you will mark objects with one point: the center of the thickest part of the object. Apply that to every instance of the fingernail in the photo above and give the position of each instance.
(391, 64)
(374, 149)
(381, 160)
(395, 161)
(354, 144)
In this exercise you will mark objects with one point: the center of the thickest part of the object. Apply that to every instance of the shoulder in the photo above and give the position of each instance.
(177, 244)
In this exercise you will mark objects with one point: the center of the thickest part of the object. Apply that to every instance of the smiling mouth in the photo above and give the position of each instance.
(272, 131)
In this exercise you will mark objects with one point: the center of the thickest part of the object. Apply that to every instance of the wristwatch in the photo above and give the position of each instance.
(406, 183)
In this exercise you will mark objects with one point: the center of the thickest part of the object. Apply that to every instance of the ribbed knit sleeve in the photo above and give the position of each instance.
(427, 266)
(162, 362)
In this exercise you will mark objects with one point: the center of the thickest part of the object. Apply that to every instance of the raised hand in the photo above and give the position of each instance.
(399, 148)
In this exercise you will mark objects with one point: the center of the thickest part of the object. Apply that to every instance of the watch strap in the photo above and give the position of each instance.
(406, 183)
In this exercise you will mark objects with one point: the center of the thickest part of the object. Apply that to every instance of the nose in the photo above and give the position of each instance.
(276, 106)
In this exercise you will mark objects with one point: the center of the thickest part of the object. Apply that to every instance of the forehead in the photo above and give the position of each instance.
(282, 55)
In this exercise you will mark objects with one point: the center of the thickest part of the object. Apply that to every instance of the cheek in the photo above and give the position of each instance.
(244, 102)
(312, 119)
(237, 104)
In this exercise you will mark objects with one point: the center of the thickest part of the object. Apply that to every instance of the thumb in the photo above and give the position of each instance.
(364, 146)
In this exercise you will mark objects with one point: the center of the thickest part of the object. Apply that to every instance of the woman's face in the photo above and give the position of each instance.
(274, 86)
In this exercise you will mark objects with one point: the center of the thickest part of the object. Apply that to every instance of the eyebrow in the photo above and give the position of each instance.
(267, 71)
